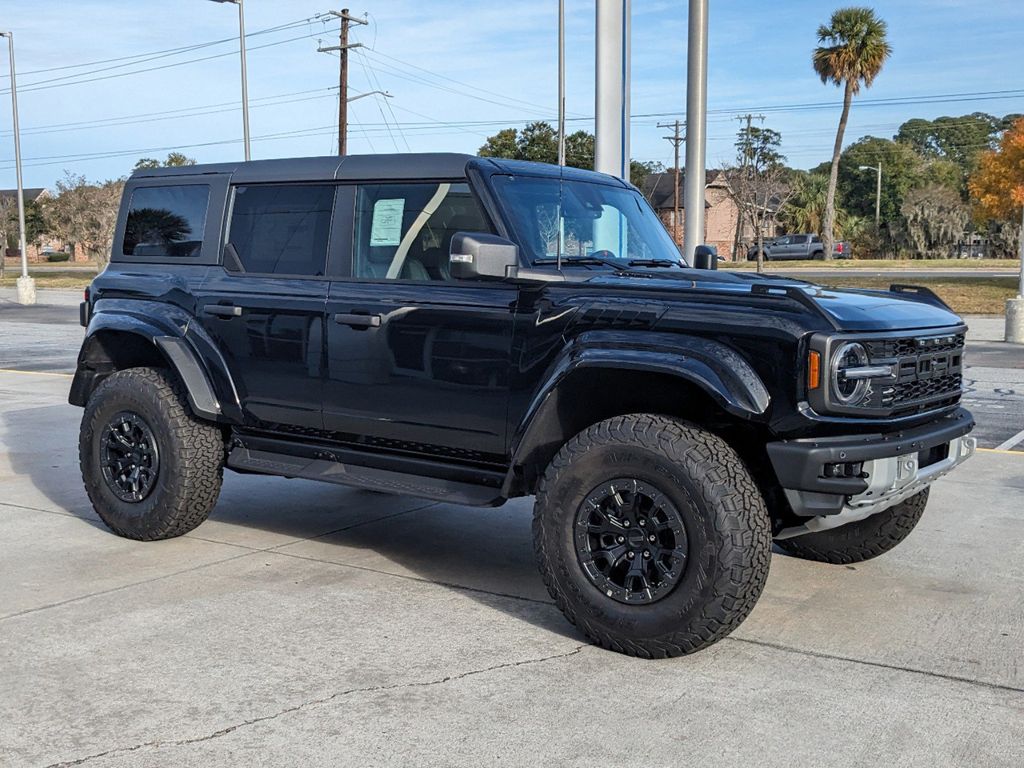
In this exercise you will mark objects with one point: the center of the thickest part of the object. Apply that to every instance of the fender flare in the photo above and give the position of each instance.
(716, 369)
(166, 337)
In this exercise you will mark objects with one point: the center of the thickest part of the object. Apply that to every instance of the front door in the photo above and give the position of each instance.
(264, 307)
(417, 362)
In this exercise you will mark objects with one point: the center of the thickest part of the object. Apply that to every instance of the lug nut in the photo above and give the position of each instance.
(652, 538)
(647, 554)
(643, 523)
(625, 523)
(621, 539)
(630, 555)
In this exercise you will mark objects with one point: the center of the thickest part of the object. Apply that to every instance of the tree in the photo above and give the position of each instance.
(174, 160)
(538, 142)
(852, 51)
(932, 222)
(998, 188)
(998, 185)
(903, 169)
(85, 213)
(760, 182)
(8, 225)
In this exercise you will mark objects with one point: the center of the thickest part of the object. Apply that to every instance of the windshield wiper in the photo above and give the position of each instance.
(654, 263)
(582, 260)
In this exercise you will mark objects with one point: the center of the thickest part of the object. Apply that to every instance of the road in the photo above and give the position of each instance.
(897, 275)
(46, 338)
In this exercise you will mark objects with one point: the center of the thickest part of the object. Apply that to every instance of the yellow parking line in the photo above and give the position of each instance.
(38, 373)
(997, 450)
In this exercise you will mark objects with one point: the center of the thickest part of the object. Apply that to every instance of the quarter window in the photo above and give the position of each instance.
(404, 231)
(166, 221)
(280, 229)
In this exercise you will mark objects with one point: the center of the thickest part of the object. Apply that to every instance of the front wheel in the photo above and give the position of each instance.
(151, 468)
(862, 540)
(651, 536)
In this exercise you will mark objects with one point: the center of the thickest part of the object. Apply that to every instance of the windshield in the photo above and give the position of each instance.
(582, 220)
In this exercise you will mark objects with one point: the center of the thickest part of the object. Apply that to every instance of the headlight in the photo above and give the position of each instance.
(848, 390)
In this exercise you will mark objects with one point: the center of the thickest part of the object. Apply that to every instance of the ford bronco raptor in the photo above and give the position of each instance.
(473, 330)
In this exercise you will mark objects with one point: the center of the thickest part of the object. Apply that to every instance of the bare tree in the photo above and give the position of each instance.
(85, 214)
(760, 194)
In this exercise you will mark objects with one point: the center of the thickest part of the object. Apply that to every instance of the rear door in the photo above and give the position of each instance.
(797, 248)
(417, 361)
(264, 305)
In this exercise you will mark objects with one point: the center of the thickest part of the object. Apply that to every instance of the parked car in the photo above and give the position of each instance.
(471, 330)
(792, 247)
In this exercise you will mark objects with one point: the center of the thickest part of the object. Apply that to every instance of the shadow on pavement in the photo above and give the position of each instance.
(484, 553)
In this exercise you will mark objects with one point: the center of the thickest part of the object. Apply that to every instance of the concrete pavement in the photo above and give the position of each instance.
(308, 624)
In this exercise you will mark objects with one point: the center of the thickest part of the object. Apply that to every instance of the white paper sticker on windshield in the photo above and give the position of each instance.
(387, 222)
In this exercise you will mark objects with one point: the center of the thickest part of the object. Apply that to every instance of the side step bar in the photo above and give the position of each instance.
(371, 478)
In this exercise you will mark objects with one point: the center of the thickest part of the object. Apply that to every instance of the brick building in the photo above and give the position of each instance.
(721, 213)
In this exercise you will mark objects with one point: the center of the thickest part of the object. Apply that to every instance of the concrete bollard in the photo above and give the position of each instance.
(1015, 320)
(26, 290)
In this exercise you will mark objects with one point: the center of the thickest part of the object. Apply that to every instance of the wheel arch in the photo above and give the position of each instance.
(110, 347)
(703, 382)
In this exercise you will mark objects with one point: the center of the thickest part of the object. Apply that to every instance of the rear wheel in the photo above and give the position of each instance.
(651, 536)
(151, 468)
(863, 540)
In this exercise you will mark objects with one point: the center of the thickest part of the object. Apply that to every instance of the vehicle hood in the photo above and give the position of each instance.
(847, 308)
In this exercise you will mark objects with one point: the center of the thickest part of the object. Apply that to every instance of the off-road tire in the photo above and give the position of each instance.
(863, 540)
(191, 456)
(724, 514)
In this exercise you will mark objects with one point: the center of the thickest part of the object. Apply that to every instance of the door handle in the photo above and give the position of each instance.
(222, 310)
(357, 321)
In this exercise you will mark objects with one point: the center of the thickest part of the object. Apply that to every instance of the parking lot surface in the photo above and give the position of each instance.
(308, 624)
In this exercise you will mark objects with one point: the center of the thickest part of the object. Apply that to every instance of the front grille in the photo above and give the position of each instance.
(929, 372)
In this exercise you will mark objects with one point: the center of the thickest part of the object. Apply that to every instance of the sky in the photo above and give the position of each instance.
(160, 76)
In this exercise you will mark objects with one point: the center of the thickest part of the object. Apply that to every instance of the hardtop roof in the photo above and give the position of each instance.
(411, 166)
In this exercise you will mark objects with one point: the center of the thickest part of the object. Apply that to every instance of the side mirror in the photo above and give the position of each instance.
(705, 257)
(477, 255)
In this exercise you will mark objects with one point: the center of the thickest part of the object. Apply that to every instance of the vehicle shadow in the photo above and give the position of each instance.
(485, 554)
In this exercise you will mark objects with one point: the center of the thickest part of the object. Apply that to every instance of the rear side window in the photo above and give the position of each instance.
(279, 229)
(166, 221)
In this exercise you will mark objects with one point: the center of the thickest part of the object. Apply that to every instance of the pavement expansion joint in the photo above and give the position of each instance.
(876, 664)
(319, 702)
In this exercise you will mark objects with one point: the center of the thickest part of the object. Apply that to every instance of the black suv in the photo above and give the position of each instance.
(473, 330)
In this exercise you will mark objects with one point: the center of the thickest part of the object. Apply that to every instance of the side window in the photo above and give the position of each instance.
(166, 221)
(280, 229)
(404, 231)
(799, 239)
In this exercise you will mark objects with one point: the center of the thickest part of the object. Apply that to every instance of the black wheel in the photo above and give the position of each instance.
(863, 540)
(651, 536)
(151, 469)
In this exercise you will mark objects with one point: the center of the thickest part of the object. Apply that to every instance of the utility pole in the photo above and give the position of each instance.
(677, 138)
(26, 285)
(696, 126)
(245, 77)
(612, 87)
(343, 48)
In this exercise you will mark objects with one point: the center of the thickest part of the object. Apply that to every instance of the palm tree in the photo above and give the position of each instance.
(852, 51)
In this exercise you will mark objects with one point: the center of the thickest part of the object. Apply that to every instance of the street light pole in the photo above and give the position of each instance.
(26, 285)
(245, 78)
(878, 191)
(561, 82)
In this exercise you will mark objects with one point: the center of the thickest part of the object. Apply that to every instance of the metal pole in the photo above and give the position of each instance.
(245, 79)
(561, 82)
(343, 86)
(878, 198)
(1020, 288)
(696, 127)
(611, 144)
(26, 286)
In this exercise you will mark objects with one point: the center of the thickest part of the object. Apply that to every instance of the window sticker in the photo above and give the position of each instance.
(386, 229)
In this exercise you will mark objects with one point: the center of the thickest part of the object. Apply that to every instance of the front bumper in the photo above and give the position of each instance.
(833, 481)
